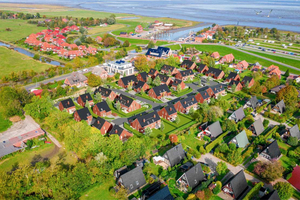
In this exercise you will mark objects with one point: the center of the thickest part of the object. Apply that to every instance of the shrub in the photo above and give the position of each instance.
(254, 191)
(266, 123)
(283, 151)
(293, 141)
(216, 142)
(206, 138)
(218, 187)
(288, 176)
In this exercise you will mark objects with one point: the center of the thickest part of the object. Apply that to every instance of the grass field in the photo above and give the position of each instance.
(99, 192)
(4, 123)
(134, 41)
(99, 31)
(19, 29)
(12, 61)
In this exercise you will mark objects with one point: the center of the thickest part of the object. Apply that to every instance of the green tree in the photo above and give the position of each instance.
(126, 43)
(39, 108)
(94, 80)
(98, 97)
(36, 57)
(149, 81)
(191, 111)
(221, 168)
(233, 87)
(118, 106)
(156, 81)
(287, 73)
(271, 82)
(117, 76)
(284, 189)
(218, 188)
(289, 94)
(148, 131)
(87, 104)
(293, 141)
(179, 89)
(177, 120)
(162, 126)
(150, 44)
(229, 125)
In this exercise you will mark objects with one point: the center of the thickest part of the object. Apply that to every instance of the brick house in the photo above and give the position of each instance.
(138, 29)
(98, 39)
(106, 93)
(83, 114)
(167, 69)
(76, 79)
(202, 68)
(128, 104)
(188, 64)
(127, 80)
(218, 89)
(159, 91)
(204, 94)
(169, 113)
(186, 104)
(215, 73)
(215, 55)
(67, 104)
(185, 75)
(82, 99)
(151, 120)
(227, 59)
(274, 70)
(238, 85)
(164, 79)
(143, 76)
(241, 66)
(233, 76)
(141, 86)
(177, 82)
(122, 133)
(152, 73)
(102, 125)
(102, 109)
(249, 80)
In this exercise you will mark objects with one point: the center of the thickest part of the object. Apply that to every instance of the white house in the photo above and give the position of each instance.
(119, 66)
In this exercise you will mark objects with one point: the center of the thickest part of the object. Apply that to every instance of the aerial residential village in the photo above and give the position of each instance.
(215, 132)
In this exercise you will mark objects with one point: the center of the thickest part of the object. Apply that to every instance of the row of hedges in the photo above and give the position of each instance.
(261, 108)
(273, 130)
(216, 142)
(254, 191)
(275, 117)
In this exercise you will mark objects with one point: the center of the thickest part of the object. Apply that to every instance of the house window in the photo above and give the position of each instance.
(131, 186)
(137, 183)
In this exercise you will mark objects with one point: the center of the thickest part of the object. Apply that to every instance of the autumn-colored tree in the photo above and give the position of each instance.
(263, 89)
(141, 64)
(256, 88)
(269, 170)
(289, 94)
(271, 82)
(94, 80)
(200, 194)
(173, 138)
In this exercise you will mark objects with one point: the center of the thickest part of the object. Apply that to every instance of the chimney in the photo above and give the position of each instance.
(98, 122)
(221, 86)
(120, 97)
(193, 99)
(170, 109)
(144, 120)
(116, 131)
(106, 92)
(86, 96)
(154, 115)
(215, 89)
(68, 102)
(127, 101)
(185, 102)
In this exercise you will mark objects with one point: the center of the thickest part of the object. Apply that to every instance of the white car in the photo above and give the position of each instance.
(85, 70)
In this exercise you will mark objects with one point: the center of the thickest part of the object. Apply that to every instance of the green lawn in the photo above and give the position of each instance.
(19, 29)
(12, 61)
(286, 162)
(158, 43)
(183, 92)
(4, 123)
(99, 192)
(191, 141)
(145, 96)
(134, 41)
(168, 128)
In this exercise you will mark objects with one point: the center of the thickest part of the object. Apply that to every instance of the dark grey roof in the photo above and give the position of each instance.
(163, 194)
(116, 130)
(99, 122)
(168, 68)
(194, 175)
(86, 97)
(277, 88)
(160, 89)
(170, 109)
(204, 94)
(158, 52)
(238, 184)
(188, 101)
(177, 82)
(273, 150)
(133, 180)
(258, 126)
(214, 71)
(201, 67)
(215, 129)
(294, 131)
(233, 82)
(254, 102)
(67, 103)
(103, 91)
(149, 118)
(187, 63)
(175, 155)
(76, 77)
(232, 75)
(247, 79)
(152, 72)
(83, 113)
(103, 106)
(187, 72)
(281, 106)
(124, 100)
(217, 88)
(139, 84)
(128, 79)
(144, 75)
(163, 78)
(271, 196)
(238, 114)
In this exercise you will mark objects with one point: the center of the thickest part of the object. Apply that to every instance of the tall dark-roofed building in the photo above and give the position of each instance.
(192, 178)
(122, 133)
(164, 79)
(159, 91)
(127, 80)
(215, 73)
(177, 83)
(236, 186)
(143, 76)
(160, 52)
(169, 113)
(133, 180)
(141, 86)
(102, 109)
(67, 104)
(106, 93)
(238, 85)
(167, 69)
(249, 80)
(188, 64)
(82, 99)
(272, 151)
(163, 194)
(128, 104)
(102, 125)
(233, 76)
(184, 105)
(153, 73)
(185, 75)
(151, 120)
(175, 155)
(202, 68)
(83, 114)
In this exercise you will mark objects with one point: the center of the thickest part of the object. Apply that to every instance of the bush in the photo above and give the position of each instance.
(288, 176)
(293, 141)
(254, 191)
(266, 123)
(283, 151)
(206, 138)
(218, 187)
(216, 142)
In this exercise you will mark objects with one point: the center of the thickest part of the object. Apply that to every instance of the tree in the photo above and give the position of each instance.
(156, 81)
(266, 123)
(229, 125)
(233, 87)
(191, 111)
(126, 43)
(162, 126)
(218, 188)
(173, 138)
(293, 141)
(118, 106)
(148, 131)
(94, 80)
(221, 168)
(98, 97)
(269, 170)
(179, 88)
(149, 81)
(272, 82)
(82, 30)
(117, 76)
(150, 44)
(138, 49)
(256, 88)
(100, 158)
(36, 57)
(77, 63)
(289, 94)
(141, 63)
(39, 108)
(177, 120)
(287, 73)
(284, 189)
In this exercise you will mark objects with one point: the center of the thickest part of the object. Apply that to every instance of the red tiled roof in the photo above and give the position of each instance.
(294, 180)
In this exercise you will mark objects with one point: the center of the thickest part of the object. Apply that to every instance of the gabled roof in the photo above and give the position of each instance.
(168, 68)
(139, 85)
(76, 77)
(241, 139)
(147, 119)
(238, 184)
(294, 180)
(124, 100)
(103, 106)
(217, 88)
(247, 79)
(277, 88)
(176, 82)
(170, 109)
(258, 126)
(238, 114)
(295, 132)
(133, 179)
(99, 123)
(67, 103)
(152, 72)
(189, 101)
(175, 155)
(271, 196)
(83, 113)
(103, 91)
(215, 129)
(163, 194)
(144, 75)
(195, 175)
(163, 78)
(116, 130)
(232, 75)
(214, 71)
(160, 89)
(159, 52)
(254, 102)
(187, 63)
(86, 97)
(273, 150)
(128, 79)
(281, 106)
(233, 82)
(187, 72)
(201, 67)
